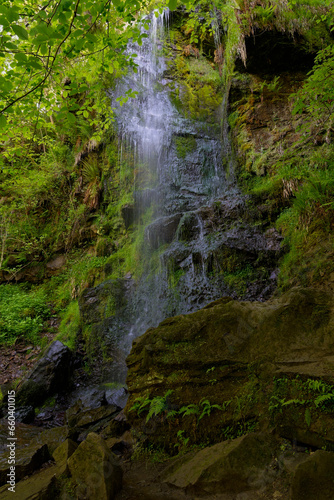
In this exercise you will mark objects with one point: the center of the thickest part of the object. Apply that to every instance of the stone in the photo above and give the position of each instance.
(128, 215)
(95, 470)
(228, 467)
(117, 397)
(25, 434)
(50, 375)
(102, 301)
(86, 418)
(52, 437)
(27, 460)
(162, 230)
(41, 486)
(25, 414)
(54, 265)
(62, 454)
(314, 478)
(90, 397)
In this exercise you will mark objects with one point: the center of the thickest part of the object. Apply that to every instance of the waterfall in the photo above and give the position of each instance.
(194, 203)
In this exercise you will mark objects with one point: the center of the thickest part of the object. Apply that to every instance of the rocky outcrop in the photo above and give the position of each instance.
(230, 354)
(51, 374)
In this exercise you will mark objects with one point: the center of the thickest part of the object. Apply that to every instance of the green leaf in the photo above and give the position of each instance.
(20, 32)
(20, 57)
(11, 46)
(34, 63)
(4, 22)
(3, 121)
(308, 417)
(172, 4)
(44, 49)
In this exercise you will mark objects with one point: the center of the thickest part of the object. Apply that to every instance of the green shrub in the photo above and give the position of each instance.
(22, 314)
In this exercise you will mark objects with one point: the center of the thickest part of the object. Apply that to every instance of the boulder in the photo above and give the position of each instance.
(50, 375)
(118, 396)
(314, 478)
(62, 454)
(27, 460)
(52, 437)
(24, 414)
(95, 470)
(227, 467)
(41, 486)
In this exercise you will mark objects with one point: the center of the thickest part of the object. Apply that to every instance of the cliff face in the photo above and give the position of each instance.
(233, 367)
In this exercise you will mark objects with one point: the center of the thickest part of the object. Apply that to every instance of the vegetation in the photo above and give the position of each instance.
(22, 314)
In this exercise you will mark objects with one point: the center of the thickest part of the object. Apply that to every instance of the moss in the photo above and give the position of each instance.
(185, 146)
(69, 327)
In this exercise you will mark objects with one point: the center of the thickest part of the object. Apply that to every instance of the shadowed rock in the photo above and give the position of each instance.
(50, 375)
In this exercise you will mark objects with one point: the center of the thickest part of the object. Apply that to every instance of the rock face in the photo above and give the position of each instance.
(51, 374)
(95, 470)
(228, 354)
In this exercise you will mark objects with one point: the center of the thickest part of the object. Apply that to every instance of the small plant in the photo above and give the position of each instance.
(155, 406)
(22, 314)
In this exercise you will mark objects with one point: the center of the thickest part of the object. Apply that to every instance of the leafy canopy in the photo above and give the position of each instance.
(55, 56)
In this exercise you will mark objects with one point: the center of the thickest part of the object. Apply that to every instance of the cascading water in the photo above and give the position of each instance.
(192, 202)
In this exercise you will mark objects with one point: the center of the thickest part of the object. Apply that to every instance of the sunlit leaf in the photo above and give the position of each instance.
(20, 32)
(172, 4)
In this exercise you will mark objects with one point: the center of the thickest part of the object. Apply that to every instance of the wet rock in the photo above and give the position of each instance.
(42, 486)
(24, 433)
(51, 374)
(25, 414)
(128, 215)
(90, 420)
(103, 301)
(90, 398)
(95, 470)
(313, 478)
(145, 198)
(286, 336)
(116, 427)
(27, 460)
(117, 397)
(162, 230)
(229, 467)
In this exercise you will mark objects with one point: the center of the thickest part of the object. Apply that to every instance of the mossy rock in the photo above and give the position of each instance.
(314, 478)
(229, 467)
(95, 470)
(228, 354)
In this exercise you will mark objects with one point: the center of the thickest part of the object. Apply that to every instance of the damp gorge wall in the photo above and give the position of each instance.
(198, 242)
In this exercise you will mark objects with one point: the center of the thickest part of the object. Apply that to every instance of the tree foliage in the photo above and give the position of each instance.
(56, 59)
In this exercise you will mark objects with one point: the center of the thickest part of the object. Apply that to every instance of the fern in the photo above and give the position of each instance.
(158, 405)
(323, 398)
(191, 409)
(208, 407)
